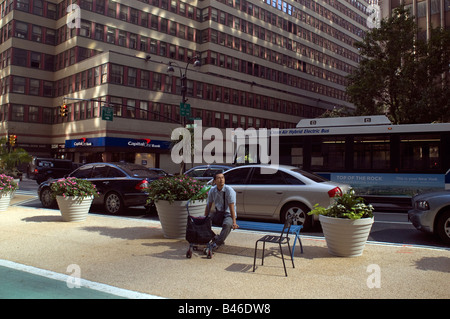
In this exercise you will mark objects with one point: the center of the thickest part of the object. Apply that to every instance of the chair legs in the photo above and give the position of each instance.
(282, 255)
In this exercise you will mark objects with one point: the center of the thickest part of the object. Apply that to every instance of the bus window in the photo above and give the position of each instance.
(420, 152)
(371, 152)
(328, 153)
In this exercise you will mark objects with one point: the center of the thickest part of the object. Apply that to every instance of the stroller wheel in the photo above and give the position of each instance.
(189, 253)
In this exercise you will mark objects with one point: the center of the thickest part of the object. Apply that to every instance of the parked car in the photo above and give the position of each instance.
(287, 190)
(431, 213)
(120, 184)
(206, 172)
(42, 169)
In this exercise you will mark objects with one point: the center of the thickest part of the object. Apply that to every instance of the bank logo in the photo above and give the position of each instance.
(83, 142)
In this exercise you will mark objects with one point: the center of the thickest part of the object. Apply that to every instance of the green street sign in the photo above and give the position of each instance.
(185, 109)
(107, 113)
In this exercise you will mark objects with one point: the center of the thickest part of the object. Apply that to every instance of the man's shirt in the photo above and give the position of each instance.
(215, 196)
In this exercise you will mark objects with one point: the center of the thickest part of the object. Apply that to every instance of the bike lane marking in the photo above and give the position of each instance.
(19, 281)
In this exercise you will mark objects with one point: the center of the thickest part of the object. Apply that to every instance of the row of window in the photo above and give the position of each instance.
(147, 80)
(43, 61)
(67, 58)
(133, 109)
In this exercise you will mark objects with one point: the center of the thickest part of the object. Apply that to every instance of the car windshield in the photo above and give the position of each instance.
(141, 171)
(314, 177)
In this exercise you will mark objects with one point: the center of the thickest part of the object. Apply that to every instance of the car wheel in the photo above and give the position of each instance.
(113, 203)
(300, 213)
(443, 226)
(47, 199)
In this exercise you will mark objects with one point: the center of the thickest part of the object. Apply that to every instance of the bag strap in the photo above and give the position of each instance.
(224, 203)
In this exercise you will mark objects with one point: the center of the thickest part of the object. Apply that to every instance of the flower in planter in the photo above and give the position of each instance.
(176, 188)
(346, 206)
(72, 186)
(7, 184)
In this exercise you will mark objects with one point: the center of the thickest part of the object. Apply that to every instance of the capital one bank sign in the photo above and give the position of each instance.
(117, 142)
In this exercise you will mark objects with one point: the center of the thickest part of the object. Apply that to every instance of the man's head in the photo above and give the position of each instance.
(219, 180)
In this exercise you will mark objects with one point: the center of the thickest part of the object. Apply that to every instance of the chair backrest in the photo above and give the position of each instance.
(287, 226)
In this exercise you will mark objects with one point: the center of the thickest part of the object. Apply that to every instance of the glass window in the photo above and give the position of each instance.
(21, 30)
(260, 177)
(116, 74)
(328, 153)
(237, 176)
(17, 113)
(420, 152)
(18, 85)
(83, 172)
(100, 171)
(371, 152)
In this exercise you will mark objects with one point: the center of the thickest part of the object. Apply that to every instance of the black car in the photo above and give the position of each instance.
(42, 169)
(119, 185)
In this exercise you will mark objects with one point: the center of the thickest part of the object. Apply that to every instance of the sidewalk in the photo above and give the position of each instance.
(133, 255)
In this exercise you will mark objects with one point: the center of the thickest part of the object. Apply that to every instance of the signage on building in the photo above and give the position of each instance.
(117, 142)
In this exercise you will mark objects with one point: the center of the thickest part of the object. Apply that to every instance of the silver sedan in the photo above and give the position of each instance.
(274, 192)
(431, 213)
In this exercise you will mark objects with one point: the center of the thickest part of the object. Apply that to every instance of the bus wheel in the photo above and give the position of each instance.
(443, 226)
(300, 213)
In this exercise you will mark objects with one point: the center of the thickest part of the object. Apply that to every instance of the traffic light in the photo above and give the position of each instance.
(63, 110)
(12, 140)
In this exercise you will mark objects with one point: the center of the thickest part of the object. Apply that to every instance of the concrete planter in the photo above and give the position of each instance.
(346, 237)
(74, 208)
(173, 217)
(5, 200)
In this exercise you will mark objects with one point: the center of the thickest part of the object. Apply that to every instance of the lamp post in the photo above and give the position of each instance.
(195, 61)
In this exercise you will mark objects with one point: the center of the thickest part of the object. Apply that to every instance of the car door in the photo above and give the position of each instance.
(100, 180)
(264, 192)
(237, 179)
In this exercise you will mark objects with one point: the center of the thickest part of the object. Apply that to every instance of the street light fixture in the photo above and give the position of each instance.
(195, 61)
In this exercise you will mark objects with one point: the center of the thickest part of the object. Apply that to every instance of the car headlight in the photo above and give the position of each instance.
(422, 205)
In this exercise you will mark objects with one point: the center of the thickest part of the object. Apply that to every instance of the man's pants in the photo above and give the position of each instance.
(227, 225)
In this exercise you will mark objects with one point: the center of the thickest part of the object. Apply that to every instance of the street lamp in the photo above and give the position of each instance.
(195, 61)
(183, 78)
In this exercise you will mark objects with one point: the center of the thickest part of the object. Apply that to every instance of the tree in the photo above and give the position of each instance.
(400, 75)
(11, 157)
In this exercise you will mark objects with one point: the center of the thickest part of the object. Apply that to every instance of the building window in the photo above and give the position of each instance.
(145, 79)
(21, 30)
(132, 73)
(116, 74)
(17, 112)
(18, 85)
(131, 108)
(34, 87)
(143, 110)
(116, 102)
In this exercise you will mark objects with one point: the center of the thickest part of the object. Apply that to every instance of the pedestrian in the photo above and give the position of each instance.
(224, 199)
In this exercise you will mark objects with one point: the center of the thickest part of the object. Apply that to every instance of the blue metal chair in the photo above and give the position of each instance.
(282, 239)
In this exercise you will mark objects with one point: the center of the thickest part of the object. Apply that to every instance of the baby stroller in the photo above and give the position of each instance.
(199, 232)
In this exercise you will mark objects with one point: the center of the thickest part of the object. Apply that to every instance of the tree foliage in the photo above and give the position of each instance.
(400, 75)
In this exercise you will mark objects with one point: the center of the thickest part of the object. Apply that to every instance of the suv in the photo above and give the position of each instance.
(42, 169)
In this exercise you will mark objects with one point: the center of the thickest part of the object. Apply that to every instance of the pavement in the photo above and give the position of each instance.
(112, 257)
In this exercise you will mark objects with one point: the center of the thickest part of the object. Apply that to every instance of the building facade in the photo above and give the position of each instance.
(428, 13)
(263, 64)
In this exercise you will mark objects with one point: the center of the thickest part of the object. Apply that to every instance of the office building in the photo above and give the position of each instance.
(263, 64)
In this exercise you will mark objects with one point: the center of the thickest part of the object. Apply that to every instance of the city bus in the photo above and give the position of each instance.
(382, 162)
